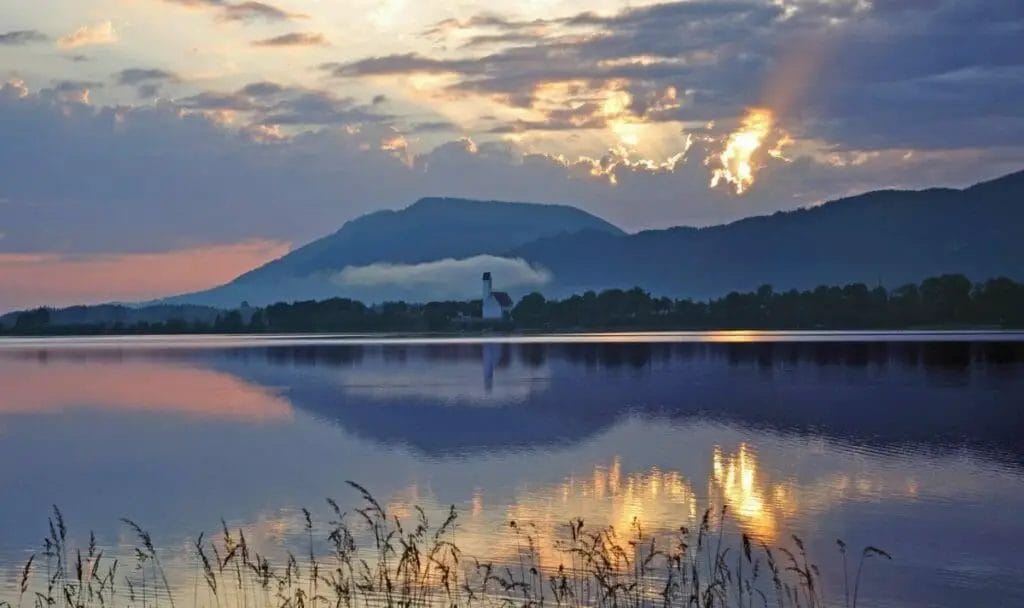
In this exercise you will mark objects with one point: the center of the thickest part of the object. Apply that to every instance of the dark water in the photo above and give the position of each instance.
(914, 444)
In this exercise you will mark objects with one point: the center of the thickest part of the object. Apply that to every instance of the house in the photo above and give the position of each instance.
(496, 304)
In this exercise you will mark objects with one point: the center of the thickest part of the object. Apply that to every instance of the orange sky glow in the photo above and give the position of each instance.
(58, 280)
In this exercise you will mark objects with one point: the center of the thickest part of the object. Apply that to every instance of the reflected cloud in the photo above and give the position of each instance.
(483, 383)
(33, 388)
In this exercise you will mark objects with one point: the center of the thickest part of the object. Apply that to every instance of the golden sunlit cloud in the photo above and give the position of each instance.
(97, 33)
(737, 164)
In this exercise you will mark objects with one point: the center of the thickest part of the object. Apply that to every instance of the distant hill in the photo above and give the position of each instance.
(430, 229)
(118, 313)
(890, 237)
(887, 237)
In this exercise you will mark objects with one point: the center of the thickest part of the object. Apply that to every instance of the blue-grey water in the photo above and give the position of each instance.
(911, 442)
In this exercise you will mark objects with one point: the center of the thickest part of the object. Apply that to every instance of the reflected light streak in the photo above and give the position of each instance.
(736, 483)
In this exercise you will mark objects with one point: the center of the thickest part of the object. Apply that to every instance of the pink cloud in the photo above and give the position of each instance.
(52, 279)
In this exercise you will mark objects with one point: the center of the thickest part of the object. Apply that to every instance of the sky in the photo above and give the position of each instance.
(151, 147)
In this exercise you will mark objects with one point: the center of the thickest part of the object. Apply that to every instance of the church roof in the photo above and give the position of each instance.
(502, 298)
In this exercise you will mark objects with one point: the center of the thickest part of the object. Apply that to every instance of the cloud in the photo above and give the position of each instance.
(320, 108)
(268, 103)
(154, 176)
(262, 89)
(293, 39)
(97, 33)
(434, 126)
(135, 76)
(506, 38)
(407, 63)
(147, 81)
(247, 11)
(857, 75)
(197, 3)
(56, 279)
(442, 279)
(75, 90)
(20, 37)
(240, 11)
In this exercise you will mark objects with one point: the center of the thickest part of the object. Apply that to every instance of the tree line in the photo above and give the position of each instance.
(947, 301)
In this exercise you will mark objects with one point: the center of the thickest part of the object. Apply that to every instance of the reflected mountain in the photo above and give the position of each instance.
(451, 399)
(455, 398)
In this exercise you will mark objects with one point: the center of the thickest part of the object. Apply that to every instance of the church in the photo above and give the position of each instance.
(496, 304)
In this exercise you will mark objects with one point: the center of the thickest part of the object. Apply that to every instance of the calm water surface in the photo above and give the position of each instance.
(912, 442)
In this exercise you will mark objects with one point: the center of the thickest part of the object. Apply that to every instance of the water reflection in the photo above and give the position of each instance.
(735, 482)
(33, 387)
(889, 442)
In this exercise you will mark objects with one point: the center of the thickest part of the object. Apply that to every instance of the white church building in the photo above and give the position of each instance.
(496, 304)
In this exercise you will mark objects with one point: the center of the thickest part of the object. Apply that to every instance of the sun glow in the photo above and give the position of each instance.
(737, 164)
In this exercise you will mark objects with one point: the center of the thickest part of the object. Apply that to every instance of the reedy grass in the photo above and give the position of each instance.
(411, 564)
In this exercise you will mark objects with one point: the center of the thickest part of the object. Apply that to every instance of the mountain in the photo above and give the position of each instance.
(887, 237)
(890, 237)
(429, 230)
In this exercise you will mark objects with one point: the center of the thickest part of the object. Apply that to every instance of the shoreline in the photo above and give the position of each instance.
(714, 336)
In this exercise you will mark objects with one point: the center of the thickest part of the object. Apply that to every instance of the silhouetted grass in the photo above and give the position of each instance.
(407, 564)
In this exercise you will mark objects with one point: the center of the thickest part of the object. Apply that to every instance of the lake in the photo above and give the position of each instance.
(913, 442)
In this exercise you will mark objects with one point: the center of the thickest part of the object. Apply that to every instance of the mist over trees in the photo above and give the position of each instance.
(947, 301)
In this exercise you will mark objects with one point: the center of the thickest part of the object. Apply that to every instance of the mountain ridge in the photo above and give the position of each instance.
(887, 236)
(430, 229)
(916, 244)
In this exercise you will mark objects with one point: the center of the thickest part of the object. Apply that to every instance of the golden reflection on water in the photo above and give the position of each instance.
(764, 507)
(604, 496)
(660, 500)
(754, 501)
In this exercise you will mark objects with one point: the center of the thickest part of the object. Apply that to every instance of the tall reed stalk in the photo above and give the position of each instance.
(411, 564)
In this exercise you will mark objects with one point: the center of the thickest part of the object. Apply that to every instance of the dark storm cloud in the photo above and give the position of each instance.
(293, 39)
(919, 73)
(20, 37)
